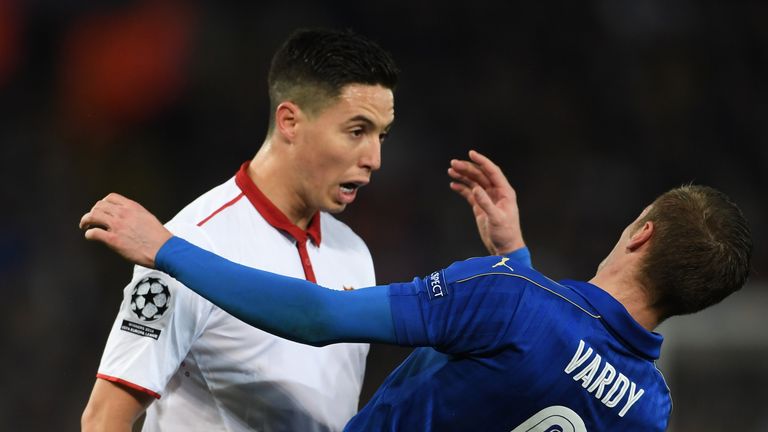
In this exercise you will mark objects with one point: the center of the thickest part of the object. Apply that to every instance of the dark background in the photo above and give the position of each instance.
(592, 109)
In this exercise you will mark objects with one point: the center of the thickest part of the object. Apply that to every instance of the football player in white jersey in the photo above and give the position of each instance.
(192, 366)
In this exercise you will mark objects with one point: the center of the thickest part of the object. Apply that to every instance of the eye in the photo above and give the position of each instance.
(357, 132)
(383, 137)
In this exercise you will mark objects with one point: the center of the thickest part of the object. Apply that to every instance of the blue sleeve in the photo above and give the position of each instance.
(468, 307)
(287, 307)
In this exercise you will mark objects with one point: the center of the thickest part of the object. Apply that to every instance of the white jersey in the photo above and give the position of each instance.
(209, 370)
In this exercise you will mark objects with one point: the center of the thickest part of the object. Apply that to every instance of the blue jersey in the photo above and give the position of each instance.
(506, 349)
(509, 349)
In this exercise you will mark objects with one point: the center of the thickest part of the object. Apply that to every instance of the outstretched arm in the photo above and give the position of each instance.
(292, 308)
(493, 200)
(287, 307)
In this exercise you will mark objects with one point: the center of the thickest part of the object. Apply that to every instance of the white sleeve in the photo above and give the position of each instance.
(157, 323)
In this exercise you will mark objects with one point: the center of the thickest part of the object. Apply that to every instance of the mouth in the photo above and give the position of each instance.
(351, 187)
(348, 191)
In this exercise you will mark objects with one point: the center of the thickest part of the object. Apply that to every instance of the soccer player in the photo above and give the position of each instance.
(503, 348)
(195, 366)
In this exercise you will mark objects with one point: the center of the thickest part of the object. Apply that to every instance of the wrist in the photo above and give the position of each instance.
(508, 248)
(159, 261)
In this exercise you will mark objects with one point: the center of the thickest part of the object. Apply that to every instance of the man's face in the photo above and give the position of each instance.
(339, 147)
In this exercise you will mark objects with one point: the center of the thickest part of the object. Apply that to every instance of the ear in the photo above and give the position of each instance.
(287, 116)
(641, 236)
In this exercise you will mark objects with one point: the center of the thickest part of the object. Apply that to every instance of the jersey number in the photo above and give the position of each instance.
(553, 419)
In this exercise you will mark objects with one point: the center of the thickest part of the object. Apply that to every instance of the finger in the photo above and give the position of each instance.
(84, 220)
(492, 171)
(96, 218)
(470, 172)
(98, 234)
(464, 191)
(460, 178)
(486, 204)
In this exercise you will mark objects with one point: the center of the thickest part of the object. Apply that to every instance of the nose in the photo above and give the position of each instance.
(370, 159)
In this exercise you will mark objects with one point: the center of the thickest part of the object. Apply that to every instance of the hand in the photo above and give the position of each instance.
(493, 200)
(127, 228)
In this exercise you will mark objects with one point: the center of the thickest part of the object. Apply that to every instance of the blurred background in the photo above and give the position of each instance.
(592, 109)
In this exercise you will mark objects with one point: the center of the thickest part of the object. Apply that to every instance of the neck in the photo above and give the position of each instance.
(630, 293)
(275, 177)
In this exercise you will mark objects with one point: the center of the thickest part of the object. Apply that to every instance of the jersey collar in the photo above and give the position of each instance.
(617, 318)
(272, 214)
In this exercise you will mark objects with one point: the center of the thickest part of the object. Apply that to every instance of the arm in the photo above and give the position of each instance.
(493, 200)
(288, 307)
(113, 407)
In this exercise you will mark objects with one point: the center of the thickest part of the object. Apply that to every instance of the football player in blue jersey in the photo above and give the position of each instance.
(501, 346)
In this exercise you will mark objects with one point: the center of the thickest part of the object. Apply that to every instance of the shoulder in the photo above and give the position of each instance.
(498, 273)
(474, 276)
(209, 204)
(192, 222)
(191, 233)
(489, 266)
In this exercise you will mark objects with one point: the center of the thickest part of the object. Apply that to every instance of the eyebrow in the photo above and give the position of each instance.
(369, 122)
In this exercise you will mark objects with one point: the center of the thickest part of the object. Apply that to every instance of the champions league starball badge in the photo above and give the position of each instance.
(150, 299)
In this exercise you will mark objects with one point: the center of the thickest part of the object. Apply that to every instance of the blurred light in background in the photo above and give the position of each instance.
(123, 65)
(10, 32)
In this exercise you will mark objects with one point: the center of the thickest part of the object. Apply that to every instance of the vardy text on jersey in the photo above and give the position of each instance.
(602, 380)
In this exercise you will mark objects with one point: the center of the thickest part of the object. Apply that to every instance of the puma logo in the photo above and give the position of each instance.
(503, 262)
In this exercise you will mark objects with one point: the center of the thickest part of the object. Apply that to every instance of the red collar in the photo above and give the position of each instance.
(272, 214)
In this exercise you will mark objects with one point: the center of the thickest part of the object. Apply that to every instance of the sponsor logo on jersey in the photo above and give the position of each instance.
(436, 286)
(503, 263)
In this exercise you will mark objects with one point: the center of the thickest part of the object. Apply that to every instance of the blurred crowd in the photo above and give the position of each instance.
(591, 108)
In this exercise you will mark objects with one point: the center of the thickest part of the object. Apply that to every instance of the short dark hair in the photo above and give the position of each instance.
(700, 250)
(313, 66)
